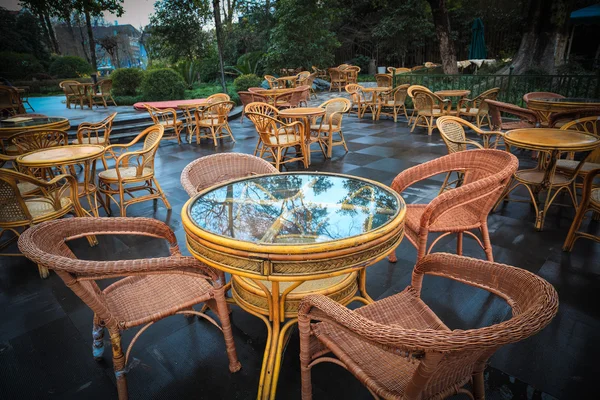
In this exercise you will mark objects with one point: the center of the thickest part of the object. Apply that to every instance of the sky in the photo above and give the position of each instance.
(136, 11)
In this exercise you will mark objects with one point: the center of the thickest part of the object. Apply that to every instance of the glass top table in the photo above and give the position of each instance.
(284, 236)
(554, 105)
(9, 128)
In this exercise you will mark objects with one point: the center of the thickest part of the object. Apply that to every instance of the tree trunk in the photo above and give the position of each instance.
(45, 29)
(542, 45)
(218, 30)
(51, 33)
(441, 22)
(92, 42)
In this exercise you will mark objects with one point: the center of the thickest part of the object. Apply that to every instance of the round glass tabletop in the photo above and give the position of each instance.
(31, 122)
(295, 208)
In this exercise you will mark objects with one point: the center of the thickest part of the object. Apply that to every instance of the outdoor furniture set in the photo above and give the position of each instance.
(89, 94)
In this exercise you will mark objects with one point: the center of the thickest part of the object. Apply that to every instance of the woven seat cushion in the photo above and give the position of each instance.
(128, 172)
(168, 124)
(90, 140)
(458, 219)
(472, 110)
(391, 371)
(208, 121)
(324, 127)
(150, 297)
(571, 165)
(27, 187)
(285, 138)
(436, 112)
(39, 207)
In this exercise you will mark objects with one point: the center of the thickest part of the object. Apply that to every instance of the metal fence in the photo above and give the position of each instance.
(512, 87)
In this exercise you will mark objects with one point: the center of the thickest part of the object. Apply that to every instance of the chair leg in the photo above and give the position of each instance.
(486, 242)
(223, 312)
(478, 386)
(97, 339)
(119, 363)
(162, 194)
(571, 236)
(305, 370)
(459, 243)
(122, 200)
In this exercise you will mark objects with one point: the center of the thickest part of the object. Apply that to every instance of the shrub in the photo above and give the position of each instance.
(243, 82)
(162, 84)
(18, 65)
(70, 67)
(127, 100)
(126, 81)
(41, 76)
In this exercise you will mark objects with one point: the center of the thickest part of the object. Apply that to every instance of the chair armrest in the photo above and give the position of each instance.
(465, 101)
(466, 142)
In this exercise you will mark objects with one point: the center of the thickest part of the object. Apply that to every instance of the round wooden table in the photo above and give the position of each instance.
(546, 107)
(550, 143)
(64, 156)
(8, 129)
(188, 117)
(283, 236)
(305, 114)
(453, 93)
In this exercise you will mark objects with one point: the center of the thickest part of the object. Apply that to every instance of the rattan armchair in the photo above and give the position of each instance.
(71, 92)
(96, 133)
(352, 74)
(589, 125)
(277, 138)
(394, 105)
(212, 121)
(101, 93)
(400, 349)
(558, 119)
(296, 97)
(360, 104)
(337, 79)
(35, 139)
(527, 118)
(272, 81)
(486, 173)
(42, 201)
(383, 80)
(133, 171)
(261, 107)
(428, 107)
(309, 81)
(149, 290)
(167, 118)
(330, 124)
(397, 71)
(10, 101)
(590, 201)
(321, 73)
(477, 108)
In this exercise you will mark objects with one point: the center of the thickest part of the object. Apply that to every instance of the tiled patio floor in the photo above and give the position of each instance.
(45, 334)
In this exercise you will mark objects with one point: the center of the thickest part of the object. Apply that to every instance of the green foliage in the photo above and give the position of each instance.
(366, 78)
(361, 61)
(190, 71)
(203, 90)
(70, 67)
(209, 67)
(21, 33)
(18, 65)
(162, 84)
(301, 36)
(126, 81)
(248, 63)
(128, 100)
(243, 82)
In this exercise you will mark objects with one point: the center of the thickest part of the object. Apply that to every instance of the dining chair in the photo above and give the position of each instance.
(395, 102)
(272, 81)
(383, 80)
(295, 98)
(400, 349)
(396, 71)
(321, 73)
(589, 125)
(147, 290)
(526, 118)
(133, 171)
(217, 98)
(27, 201)
(167, 118)
(352, 74)
(543, 116)
(70, 95)
(212, 121)
(277, 138)
(590, 201)
(359, 102)
(323, 128)
(261, 107)
(477, 108)
(486, 173)
(337, 79)
(428, 106)
(101, 93)
(10, 101)
(96, 133)
(35, 139)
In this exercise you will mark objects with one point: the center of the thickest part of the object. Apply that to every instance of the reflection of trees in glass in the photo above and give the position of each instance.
(367, 203)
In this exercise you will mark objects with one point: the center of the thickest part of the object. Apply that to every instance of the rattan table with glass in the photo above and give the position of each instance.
(8, 129)
(283, 236)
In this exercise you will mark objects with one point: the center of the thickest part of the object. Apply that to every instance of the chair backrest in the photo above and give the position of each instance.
(105, 86)
(64, 84)
(417, 67)
(36, 139)
(97, 130)
(356, 92)
(399, 93)
(217, 112)
(528, 117)
(396, 71)
(541, 95)
(261, 107)
(343, 66)
(335, 74)
(245, 97)
(415, 87)
(423, 100)
(255, 89)
(383, 80)
(300, 93)
(272, 81)
(589, 125)
(216, 168)
(301, 77)
(269, 129)
(217, 98)
(335, 110)
(452, 131)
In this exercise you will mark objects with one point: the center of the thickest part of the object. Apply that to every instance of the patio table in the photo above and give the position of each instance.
(544, 176)
(546, 107)
(188, 117)
(283, 236)
(287, 81)
(459, 93)
(304, 114)
(65, 156)
(376, 93)
(8, 129)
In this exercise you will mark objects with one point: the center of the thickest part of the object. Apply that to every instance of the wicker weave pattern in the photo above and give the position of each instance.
(322, 131)
(453, 133)
(36, 139)
(359, 101)
(477, 108)
(399, 349)
(211, 120)
(590, 201)
(151, 290)
(428, 106)
(396, 103)
(167, 118)
(383, 80)
(486, 173)
(528, 118)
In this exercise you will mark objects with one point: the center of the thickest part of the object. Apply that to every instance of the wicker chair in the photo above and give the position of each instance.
(101, 93)
(42, 201)
(272, 81)
(557, 120)
(309, 81)
(10, 101)
(133, 171)
(337, 78)
(211, 121)
(397, 71)
(352, 74)
(35, 139)
(207, 171)
(278, 137)
(589, 125)
(321, 73)
(400, 349)
(167, 118)
(477, 108)
(150, 290)
(217, 98)
(360, 104)
(590, 201)
(294, 98)
(428, 107)
(96, 133)
(486, 175)
(329, 124)
(527, 118)
(301, 78)
(395, 104)
(383, 80)
(71, 92)
(261, 107)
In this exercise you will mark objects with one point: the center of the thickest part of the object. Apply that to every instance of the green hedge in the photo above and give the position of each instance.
(126, 81)
(70, 67)
(18, 65)
(46, 87)
(162, 84)
(243, 82)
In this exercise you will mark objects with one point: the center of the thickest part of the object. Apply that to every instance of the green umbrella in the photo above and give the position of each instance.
(477, 50)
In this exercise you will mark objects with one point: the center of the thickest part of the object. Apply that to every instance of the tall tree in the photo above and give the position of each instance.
(545, 28)
(219, 32)
(441, 21)
(43, 9)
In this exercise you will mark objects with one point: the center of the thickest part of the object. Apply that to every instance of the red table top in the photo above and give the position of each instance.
(166, 104)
